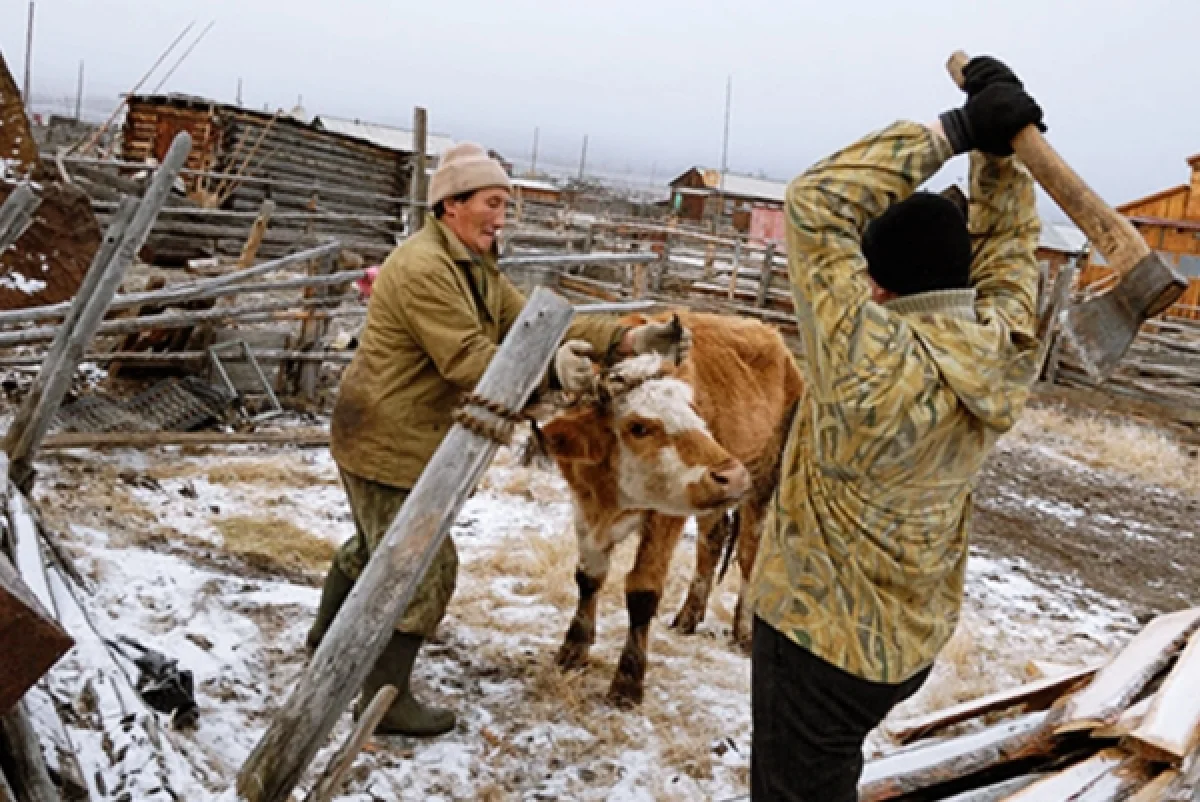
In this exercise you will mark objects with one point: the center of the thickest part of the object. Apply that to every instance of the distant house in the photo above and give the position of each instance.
(533, 190)
(1059, 244)
(702, 194)
(1170, 223)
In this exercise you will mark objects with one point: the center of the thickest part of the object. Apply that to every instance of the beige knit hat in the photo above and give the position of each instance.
(463, 168)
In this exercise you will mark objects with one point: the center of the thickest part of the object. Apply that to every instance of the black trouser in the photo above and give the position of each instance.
(810, 721)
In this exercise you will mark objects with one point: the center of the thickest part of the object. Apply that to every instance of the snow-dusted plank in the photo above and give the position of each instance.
(1071, 783)
(29, 555)
(1128, 778)
(1036, 695)
(1116, 684)
(926, 766)
(1172, 725)
(1128, 721)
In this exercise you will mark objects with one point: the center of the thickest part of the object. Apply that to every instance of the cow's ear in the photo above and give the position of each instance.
(580, 438)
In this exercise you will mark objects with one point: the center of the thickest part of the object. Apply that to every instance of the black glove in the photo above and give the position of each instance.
(991, 118)
(983, 71)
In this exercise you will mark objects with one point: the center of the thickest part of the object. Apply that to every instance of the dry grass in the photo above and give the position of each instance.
(1116, 446)
(279, 473)
(272, 543)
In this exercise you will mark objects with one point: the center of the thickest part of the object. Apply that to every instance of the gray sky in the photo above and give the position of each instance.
(646, 80)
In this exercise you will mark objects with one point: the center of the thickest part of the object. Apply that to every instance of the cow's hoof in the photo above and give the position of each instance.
(572, 656)
(625, 693)
(688, 619)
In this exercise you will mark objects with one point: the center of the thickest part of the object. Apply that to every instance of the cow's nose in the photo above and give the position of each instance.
(732, 477)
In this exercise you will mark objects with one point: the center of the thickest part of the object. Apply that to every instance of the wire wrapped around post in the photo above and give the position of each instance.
(484, 427)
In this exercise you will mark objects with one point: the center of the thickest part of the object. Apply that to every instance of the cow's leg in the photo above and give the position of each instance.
(590, 574)
(712, 532)
(750, 521)
(643, 589)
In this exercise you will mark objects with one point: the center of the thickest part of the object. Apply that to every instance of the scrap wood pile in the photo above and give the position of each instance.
(1128, 729)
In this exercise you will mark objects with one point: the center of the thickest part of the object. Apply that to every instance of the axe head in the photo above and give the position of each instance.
(1101, 330)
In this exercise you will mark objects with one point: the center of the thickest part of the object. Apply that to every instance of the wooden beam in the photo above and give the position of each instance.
(360, 631)
(925, 766)
(324, 789)
(1036, 695)
(257, 230)
(1107, 775)
(309, 436)
(1119, 682)
(1172, 724)
(419, 188)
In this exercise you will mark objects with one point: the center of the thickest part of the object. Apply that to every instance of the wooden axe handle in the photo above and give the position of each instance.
(1112, 234)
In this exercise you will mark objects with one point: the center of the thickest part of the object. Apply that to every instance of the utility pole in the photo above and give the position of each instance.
(725, 146)
(238, 99)
(533, 166)
(29, 62)
(583, 158)
(79, 93)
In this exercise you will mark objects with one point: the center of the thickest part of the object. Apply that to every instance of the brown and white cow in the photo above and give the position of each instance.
(659, 443)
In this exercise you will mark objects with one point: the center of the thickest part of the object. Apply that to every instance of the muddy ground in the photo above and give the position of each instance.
(1120, 536)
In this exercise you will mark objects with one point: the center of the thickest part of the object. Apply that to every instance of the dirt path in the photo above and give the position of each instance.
(1123, 538)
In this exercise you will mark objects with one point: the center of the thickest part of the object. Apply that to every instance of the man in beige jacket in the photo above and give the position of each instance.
(438, 311)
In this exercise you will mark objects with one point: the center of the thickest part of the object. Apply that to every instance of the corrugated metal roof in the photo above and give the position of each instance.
(745, 186)
(385, 136)
(1062, 237)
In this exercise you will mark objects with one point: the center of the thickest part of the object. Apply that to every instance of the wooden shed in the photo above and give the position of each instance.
(699, 194)
(299, 165)
(1170, 222)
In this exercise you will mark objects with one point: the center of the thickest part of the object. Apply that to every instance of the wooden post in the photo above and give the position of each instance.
(361, 630)
(590, 241)
(30, 777)
(1047, 330)
(638, 284)
(312, 330)
(710, 256)
(419, 189)
(16, 214)
(737, 263)
(340, 763)
(39, 409)
(764, 281)
(257, 231)
(660, 272)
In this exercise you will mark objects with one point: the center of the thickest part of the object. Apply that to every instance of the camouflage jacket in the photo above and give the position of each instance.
(864, 554)
(435, 320)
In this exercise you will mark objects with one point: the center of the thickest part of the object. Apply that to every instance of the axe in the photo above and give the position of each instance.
(1102, 329)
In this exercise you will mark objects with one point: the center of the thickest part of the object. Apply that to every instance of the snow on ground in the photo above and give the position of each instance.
(147, 532)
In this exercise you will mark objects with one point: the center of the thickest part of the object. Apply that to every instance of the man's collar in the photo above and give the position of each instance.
(454, 246)
(953, 303)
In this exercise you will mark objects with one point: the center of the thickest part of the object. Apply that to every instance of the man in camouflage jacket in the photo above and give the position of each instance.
(918, 330)
(439, 308)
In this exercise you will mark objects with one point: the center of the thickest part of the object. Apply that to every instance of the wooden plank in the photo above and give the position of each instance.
(1172, 725)
(257, 230)
(314, 436)
(29, 778)
(1107, 776)
(1128, 721)
(1036, 695)
(1119, 682)
(926, 766)
(324, 789)
(997, 792)
(360, 631)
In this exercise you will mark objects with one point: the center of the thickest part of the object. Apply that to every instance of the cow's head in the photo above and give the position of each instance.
(641, 431)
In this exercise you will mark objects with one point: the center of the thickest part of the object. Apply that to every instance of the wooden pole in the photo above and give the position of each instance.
(310, 436)
(28, 97)
(79, 94)
(360, 631)
(1048, 325)
(230, 283)
(764, 281)
(419, 188)
(30, 778)
(340, 763)
(16, 214)
(733, 274)
(21, 443)
(311, 332)
(257, 230)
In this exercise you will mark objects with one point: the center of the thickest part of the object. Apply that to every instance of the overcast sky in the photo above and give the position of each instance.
(646, 80)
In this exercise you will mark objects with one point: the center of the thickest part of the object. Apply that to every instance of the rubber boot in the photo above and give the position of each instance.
(333, 595)
(406, 716)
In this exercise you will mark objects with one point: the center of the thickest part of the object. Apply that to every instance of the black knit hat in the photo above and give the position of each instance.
(919, 245)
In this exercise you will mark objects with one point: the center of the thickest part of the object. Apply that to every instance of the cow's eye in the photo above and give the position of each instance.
(637, 429)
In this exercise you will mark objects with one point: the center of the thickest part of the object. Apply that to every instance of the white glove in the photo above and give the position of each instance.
(573, 366)
(668, 338)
